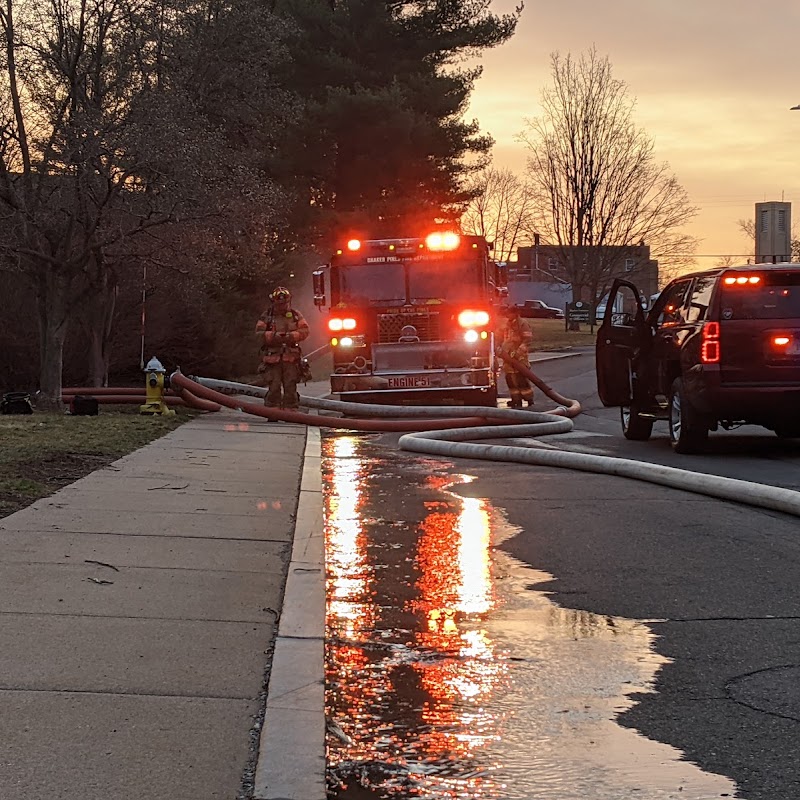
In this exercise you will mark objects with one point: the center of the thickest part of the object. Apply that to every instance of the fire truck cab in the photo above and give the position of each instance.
(412, 320)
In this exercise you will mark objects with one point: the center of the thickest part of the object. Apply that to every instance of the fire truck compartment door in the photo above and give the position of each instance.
(405, 356)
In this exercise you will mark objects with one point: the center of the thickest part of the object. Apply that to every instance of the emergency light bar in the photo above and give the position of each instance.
(438, 242)
(742, 280)
(443, 241)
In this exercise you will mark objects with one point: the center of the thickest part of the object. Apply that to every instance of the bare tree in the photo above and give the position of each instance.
(748, 228)
(599, 191)
(107, 134)
(76, 175)
(501, 210)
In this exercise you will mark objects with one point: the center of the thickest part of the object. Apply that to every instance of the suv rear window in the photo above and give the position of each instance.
(775, 296)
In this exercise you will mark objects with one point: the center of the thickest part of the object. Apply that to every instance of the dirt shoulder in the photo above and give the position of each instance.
(41, 452)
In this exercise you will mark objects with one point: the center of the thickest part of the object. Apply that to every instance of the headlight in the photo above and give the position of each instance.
(352, 341)
(471, 336)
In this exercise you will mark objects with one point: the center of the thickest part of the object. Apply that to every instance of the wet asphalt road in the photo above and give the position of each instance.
(717, 582)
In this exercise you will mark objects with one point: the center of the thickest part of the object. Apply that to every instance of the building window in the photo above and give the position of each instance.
(781, 220)
(764, 221)
(630, 263)
(552, 264)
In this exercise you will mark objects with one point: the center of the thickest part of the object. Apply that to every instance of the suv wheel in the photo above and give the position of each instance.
(688, 430)
(634, 427)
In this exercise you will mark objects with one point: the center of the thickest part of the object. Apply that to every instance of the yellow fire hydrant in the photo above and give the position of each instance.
(154, 397)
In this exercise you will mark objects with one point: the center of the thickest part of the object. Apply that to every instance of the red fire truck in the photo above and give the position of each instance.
(412, 320)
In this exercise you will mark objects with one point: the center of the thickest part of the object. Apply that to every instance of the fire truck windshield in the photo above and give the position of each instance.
(451, 280)
(371, 283)
(428, 279)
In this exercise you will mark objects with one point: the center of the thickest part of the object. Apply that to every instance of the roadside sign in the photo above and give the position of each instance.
(579, 312)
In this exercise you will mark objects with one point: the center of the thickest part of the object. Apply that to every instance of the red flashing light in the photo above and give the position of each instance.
(742, 280)
(781, 341)
(710, 348)
(339, 324)
(354, 245)
(446, 240)
(473, 319)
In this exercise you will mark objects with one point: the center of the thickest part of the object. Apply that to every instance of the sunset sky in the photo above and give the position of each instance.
(713, 79)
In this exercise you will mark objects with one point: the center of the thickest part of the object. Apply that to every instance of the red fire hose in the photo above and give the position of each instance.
(198, 390)
(185, 391)
(132, 395)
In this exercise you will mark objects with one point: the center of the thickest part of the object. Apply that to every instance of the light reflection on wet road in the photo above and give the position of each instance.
(449, 676)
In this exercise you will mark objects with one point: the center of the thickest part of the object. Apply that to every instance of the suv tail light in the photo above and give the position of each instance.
(710, 349)
(783, 346)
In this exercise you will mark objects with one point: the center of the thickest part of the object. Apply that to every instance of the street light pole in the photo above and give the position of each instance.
(144, 307)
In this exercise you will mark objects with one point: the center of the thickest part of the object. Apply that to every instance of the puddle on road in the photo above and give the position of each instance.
(449, 678)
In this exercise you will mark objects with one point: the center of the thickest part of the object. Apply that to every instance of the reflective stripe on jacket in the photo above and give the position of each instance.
(282, 335)
(516, 337)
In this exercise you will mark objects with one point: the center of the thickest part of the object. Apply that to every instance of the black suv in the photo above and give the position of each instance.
(720, 347)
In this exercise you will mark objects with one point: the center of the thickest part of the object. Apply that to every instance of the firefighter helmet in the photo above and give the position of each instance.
(280, 293)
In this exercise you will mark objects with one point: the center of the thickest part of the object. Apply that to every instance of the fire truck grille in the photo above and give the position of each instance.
(426, 323)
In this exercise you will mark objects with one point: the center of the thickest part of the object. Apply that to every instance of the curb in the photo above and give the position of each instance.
(554, 357)
(291, 753)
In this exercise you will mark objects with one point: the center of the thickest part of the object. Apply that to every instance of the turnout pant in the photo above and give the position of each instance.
(519, 388)
(282, 379)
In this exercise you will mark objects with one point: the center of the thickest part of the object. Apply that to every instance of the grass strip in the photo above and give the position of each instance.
(41, 452)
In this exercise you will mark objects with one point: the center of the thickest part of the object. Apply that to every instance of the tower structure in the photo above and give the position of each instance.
(773, 225)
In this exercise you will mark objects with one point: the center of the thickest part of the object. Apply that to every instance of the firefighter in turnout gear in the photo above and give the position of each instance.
(280, 329)
(517, 336)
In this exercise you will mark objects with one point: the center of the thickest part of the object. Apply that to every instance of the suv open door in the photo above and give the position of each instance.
(619, 340)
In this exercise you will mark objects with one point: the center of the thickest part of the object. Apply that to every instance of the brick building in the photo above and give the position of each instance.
(539, 272)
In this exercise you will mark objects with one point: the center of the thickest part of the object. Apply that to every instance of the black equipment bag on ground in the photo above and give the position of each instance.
(16, 403)
(83, 406)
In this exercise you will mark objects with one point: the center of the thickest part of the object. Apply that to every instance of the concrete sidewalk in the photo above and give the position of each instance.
(162, 622)
(144, 626)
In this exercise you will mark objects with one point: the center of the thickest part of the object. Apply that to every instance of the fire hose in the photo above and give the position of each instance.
(445, 432)
(132, 395)
(452, 432)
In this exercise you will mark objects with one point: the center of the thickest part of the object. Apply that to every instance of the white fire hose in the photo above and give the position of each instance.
(460, 443)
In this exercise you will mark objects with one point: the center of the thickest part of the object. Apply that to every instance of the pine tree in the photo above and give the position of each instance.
(383, 146)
